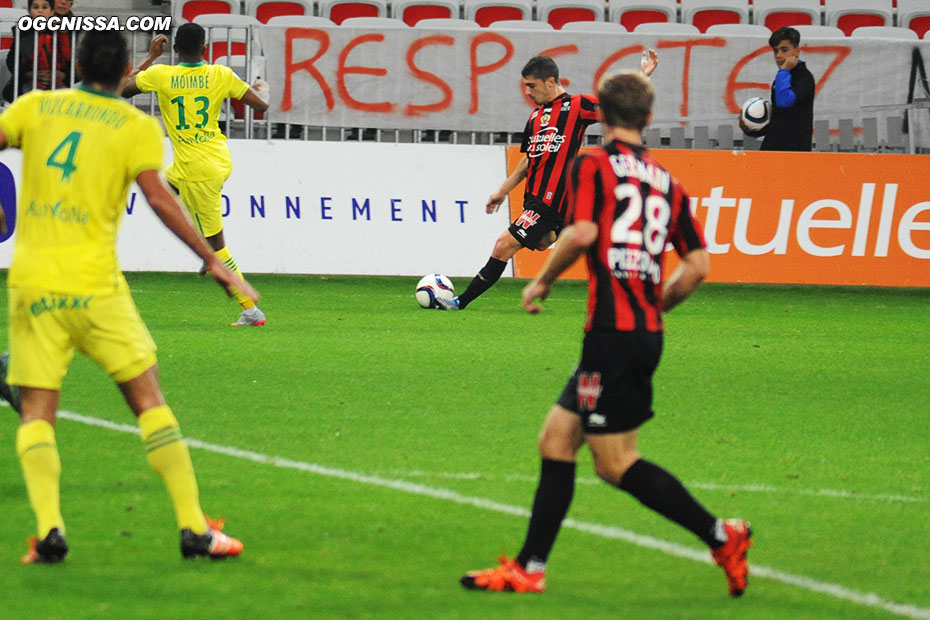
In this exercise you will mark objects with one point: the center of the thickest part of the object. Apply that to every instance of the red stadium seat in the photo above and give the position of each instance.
(263, 10)
(486, 12)
(632, 13)
(914, 14)
(8, 19)
(706, 13)
(340, 10)
(847, 15)
(227, 35)
(773, 14)
(560, 12)
(412, 11)
(189, 9)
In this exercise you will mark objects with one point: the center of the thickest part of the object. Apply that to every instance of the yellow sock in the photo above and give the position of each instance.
(224, 255)
(168, 455)
(38, 455)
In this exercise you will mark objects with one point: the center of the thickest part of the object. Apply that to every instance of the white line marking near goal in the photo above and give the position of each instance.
(706, 486)
(605, 531)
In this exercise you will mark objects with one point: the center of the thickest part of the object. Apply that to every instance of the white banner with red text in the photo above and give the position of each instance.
(469, 80)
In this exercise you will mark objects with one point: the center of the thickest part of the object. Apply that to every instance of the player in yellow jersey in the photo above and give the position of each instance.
(81, 150)
(190, 95)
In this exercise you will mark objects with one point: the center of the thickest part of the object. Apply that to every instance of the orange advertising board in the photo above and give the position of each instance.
(802, 218)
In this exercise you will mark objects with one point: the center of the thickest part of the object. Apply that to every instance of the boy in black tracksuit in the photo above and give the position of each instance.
(792, 124)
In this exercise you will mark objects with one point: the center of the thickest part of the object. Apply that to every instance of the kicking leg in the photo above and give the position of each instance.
(251, 314)
(618, 463)
(504, 249)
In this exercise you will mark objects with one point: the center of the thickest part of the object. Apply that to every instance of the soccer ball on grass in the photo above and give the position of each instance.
(432, 288)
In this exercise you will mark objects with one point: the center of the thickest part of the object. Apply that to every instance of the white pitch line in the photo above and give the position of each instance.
(707, 486)
(866, 599)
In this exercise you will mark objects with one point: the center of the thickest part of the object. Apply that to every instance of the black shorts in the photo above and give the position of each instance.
(612, 387)
(536, 221)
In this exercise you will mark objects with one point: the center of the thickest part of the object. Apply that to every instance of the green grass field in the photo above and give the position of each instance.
(405, 447)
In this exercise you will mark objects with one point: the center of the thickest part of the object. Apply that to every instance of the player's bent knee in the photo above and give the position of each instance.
(612, 470)
(505, 247)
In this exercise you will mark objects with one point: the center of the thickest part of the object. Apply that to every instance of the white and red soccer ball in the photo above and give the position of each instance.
(432, 288)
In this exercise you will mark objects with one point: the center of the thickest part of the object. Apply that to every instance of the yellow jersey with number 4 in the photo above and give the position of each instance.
(191, 97)
(81, 150)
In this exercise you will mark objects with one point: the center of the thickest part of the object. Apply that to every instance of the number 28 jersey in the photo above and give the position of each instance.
(190, 97)
(638, 208)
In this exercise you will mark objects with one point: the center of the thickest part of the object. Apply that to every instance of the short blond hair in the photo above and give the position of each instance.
(626, 99)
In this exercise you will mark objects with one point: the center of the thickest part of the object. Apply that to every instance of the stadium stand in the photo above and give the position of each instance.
(412, 11)
(773, 14)
(520, 24)
(560, 12)
(297, 21)
(448, 24)
(811, 32)
(373, 22)
(847, 15)
(755, 30)
(263, 10)
(667, 28)
(593, 27)
(4, 72)
(486, 12)
(884, 32)
(636, 12)
(229, 34)
(914, 14)
(339, 10)
(706, 13)
(189, 9)
(8, 19)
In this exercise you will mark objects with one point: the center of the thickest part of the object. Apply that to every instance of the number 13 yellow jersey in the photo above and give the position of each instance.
(190, 97)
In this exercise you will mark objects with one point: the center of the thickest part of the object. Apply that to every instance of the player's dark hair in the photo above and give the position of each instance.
(785, 33)
(541, 68)
(103, 56)
(189, 39)
(626, 99)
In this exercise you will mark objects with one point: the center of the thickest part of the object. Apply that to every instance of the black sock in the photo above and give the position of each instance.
(485, 279)
(553, 497)
(659, 490)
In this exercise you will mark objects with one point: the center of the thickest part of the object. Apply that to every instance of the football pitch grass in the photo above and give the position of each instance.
(368, 452)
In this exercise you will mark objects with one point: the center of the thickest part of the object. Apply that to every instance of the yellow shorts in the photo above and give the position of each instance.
(46, 327)
(204, 201)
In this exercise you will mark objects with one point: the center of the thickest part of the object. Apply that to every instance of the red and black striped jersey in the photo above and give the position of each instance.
(551, 139)
(638, 208)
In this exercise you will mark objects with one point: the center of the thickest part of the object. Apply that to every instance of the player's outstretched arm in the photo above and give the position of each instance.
(258, 96)
(166, 207)
(694, 267)
(156, 49)
(573, 242)
(498, 197)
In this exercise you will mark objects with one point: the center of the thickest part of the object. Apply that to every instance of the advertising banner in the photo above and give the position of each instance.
(808, 218)
(335, 208)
